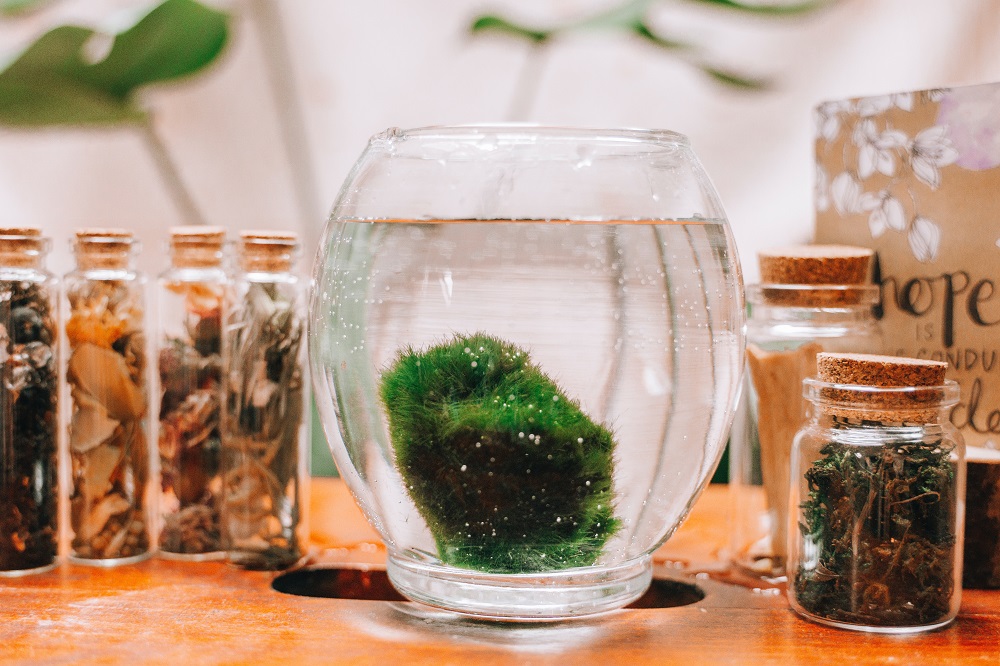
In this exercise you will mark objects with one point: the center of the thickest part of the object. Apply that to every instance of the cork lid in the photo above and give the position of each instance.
(882, 388)
(879, 371)
(103, 247)
(198, 233)
(197, 245)
(22, 247)
(815, 275)
(268, 250)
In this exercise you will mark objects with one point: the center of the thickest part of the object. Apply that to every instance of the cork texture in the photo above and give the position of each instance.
(87, 233)
(20, 231)
(269, 250)
(198, 234)
(103, 247)
(197, 246)
(818, 265)
(21, 247)
(882, 372)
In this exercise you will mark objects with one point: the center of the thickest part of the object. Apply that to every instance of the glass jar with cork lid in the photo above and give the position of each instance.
(811, 298)
(878, 479)
(106, 373)
(265, 439)
(192, 296)
(29, 415)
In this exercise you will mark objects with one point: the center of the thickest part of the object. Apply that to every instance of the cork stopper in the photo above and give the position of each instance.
(22, 247)
(882, 388)
(104, 247)
(815, 275)
(197, 246)
(268, 251)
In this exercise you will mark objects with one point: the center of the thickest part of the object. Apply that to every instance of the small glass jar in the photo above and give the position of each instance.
(192, 297)
(879, 485)
(29, 415)
(791, 318)
(106, 373)
(265, 439)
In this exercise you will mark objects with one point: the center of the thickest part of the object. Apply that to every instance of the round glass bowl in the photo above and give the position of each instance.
(530, 340)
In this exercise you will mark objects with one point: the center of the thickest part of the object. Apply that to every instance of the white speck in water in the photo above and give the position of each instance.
(479, 445)
(520, 435)
(463, 468)
(579, 440)
(555, 398)
(468, 350)
(558, 519)
(550, 456)
(474, 364)
(588, 483)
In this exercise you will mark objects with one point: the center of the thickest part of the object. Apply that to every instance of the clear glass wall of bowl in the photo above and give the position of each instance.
(530, 340)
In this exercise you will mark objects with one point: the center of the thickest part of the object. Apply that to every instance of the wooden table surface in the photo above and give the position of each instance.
(182, 613)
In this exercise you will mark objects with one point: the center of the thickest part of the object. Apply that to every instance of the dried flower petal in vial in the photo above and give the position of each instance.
(263, 433)
(192, 300)
(106, 374)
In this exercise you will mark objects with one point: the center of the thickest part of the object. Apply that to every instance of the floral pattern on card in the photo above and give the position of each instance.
(887, 171)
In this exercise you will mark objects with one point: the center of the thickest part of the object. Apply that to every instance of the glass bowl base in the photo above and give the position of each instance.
(541, 597)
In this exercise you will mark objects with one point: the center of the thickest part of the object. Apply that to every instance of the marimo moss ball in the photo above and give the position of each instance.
(508, 472)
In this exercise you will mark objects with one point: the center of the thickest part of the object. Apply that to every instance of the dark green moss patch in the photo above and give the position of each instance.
(510, 475)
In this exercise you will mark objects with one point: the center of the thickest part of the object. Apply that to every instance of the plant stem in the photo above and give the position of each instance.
(170, 174)
(281, 80)
(528, 82)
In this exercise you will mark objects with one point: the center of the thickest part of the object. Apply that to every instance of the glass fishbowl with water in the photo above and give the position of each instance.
(526, 344)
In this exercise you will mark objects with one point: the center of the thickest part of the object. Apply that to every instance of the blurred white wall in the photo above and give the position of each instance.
(361, 66)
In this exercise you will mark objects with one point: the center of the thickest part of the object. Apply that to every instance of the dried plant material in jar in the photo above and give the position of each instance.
(28, 406)
(192, 296)
(264, 410)
(106, 374)
(812, 298)
(879, 515)
(777, 381)
(509, 473)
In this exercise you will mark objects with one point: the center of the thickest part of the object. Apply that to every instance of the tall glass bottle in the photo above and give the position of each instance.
(191, 303)
(264, 431)
(106, 373)
(29, 415)
(811, 299)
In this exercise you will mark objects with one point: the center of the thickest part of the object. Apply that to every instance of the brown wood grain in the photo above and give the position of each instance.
(165, 612)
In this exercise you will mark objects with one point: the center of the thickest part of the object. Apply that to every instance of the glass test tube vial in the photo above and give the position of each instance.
(106, 374)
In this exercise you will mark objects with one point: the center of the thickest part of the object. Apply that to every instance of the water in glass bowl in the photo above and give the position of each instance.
(526, 400)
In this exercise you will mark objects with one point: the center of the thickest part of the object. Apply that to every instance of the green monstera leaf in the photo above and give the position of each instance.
(19, 7)
(56, 81)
